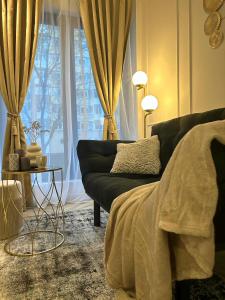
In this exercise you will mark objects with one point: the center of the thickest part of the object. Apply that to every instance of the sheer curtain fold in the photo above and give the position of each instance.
(106, 25)
(126, 114)
(18, 40)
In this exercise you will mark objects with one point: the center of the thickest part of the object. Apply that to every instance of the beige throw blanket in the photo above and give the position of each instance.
(164, 231)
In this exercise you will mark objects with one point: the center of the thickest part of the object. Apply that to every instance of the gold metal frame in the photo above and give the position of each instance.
(39, 212)
(32, 234)
(147, 113)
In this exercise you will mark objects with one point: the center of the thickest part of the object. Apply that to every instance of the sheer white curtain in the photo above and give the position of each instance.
(62, 94)
(3, 113)
(126, 115)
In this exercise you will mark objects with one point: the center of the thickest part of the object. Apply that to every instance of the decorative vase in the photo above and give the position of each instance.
(33, 151)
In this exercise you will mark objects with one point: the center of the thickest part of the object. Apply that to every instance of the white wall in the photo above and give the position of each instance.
(185, 74)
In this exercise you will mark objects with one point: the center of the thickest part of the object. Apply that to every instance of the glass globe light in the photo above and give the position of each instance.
(139, 79)
(149, 103)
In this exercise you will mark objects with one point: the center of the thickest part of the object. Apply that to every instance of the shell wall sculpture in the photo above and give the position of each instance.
(212, 26)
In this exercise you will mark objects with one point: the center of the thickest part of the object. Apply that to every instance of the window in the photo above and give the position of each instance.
(98, 124)
(47, 99)
(98, 109)
(62, 93)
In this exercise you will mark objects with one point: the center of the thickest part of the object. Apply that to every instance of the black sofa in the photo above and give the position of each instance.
(96, 159)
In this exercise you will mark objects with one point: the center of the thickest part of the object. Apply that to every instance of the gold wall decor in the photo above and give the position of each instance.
(212, 25)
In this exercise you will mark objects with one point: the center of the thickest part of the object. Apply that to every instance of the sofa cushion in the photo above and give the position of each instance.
(105, 187)
(141, 157)
(218, 154)
(172, 131)
(97, 156)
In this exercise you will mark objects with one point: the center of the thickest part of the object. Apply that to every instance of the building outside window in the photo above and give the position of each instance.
(45, 101)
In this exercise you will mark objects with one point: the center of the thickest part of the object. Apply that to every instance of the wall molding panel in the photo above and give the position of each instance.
(184, 54)
(178, 60)
(185, 74)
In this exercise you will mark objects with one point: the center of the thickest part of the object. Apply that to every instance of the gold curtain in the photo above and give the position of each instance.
(19, 23)
(106, 24)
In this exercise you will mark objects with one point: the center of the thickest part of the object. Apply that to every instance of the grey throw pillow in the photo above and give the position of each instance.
(141, 157)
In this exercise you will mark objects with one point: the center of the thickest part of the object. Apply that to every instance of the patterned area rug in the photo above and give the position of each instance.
(75, 270)
(208, 289)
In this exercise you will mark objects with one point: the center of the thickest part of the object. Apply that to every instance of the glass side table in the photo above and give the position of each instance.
(43, 228)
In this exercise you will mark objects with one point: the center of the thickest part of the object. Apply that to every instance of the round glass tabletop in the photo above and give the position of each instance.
(33, 170)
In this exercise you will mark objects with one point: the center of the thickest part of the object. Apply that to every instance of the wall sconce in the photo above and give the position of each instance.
(149, 104)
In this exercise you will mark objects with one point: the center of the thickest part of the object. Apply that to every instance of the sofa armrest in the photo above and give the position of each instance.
(218, 154)
(97, 156)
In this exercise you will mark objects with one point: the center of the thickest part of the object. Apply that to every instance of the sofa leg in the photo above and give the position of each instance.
(97, 217)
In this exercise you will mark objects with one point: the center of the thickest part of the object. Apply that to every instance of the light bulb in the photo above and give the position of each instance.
(149, 103)
(139, 78)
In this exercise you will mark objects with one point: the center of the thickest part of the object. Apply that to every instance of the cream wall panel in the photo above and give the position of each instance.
(186, 75)
(184, 57)
(141, 48)
(208, 65)
(156, 54)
